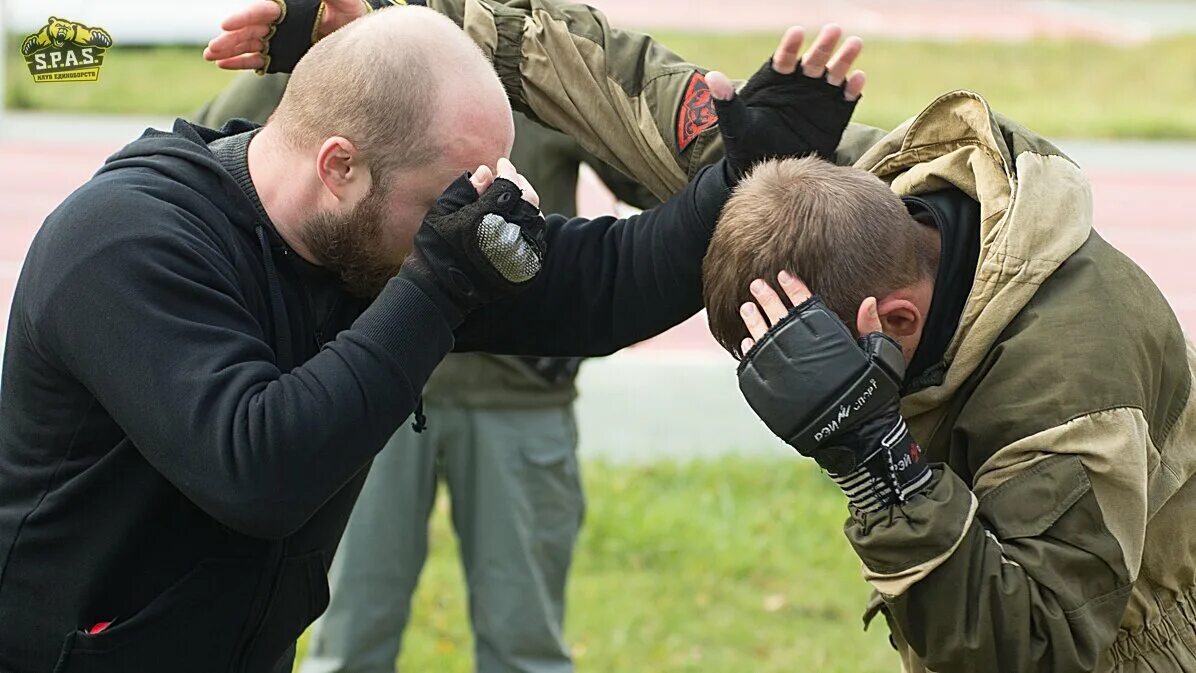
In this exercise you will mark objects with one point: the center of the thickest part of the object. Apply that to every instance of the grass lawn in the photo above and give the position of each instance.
(1065, 88)
(728, 565)
(170, 81)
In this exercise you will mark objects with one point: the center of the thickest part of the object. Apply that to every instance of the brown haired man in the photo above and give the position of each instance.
(1041, 521)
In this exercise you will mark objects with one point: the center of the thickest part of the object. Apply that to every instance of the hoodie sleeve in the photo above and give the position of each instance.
(607, 282)
(151, 319)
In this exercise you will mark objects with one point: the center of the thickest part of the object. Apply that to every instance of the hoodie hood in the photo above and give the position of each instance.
(182, 155)
(1035, 211)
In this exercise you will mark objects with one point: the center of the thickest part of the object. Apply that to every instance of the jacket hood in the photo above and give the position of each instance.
(182, 155)
(1035, 211)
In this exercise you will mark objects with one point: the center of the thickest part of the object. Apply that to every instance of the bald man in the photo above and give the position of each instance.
(212, 338)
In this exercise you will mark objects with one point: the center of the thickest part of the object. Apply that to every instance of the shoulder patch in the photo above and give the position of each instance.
(696, 113)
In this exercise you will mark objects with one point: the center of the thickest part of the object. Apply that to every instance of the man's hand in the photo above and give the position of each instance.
(784, 112)
(482, 240)
(831, 398)
(254, 39)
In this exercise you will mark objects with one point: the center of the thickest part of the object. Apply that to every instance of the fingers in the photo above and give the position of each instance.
(854, 86)
(793, 287)
(773, 307)
(226, 42)
(507, 170)
(251, 46)
(774, 310)
(784, 59)
(813, 63)
(346, 6)
(746, 345)
(730, 109)
(753, 320)
(844, 58)
(482, 178)
(529, 192)
(262, 13)
(720, 87)
(868, 319)
(242, 62)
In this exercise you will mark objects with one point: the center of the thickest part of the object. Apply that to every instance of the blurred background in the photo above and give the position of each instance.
(707, 546)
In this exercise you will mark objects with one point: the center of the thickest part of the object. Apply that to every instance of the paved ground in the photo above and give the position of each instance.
(656, 398)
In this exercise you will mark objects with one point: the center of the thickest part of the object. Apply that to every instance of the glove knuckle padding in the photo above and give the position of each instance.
(505, 248)
(809, 380)
(509, 234)
(477, 249)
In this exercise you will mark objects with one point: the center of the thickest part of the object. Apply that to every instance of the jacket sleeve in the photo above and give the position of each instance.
(1032, 571)
(156, 327)
(606, 282)
(624, 97)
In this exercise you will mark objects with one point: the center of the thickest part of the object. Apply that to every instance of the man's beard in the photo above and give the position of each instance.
(352, 246)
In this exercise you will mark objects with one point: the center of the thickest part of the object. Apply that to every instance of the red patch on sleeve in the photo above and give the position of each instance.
(98, 627)
(696, 113)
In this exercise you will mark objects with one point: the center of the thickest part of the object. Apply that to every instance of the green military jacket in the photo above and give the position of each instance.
(1060, 534)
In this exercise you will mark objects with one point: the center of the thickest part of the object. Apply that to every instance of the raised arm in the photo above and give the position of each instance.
(624, 97)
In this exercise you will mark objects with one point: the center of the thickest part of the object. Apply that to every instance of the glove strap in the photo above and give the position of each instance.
(890, 475)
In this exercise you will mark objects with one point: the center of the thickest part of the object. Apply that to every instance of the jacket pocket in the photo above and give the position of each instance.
(1048, 521)
(300, 595)
(191, 627)
(1030, 503)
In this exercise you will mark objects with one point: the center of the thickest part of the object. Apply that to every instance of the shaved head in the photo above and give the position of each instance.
(376, 121)
(405, 85)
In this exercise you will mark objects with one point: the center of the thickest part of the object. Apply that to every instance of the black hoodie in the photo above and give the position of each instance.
(179, 448)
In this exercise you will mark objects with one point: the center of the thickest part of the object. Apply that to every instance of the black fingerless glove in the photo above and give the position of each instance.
(473, 250)
(777, 115)
(837, 401)
(296, 31)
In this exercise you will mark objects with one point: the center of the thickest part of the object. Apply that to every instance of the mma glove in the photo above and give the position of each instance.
(836, 400)
(297, 29)
(471, 250)
(777, 115)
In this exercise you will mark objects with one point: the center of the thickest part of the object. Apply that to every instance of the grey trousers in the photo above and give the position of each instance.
(517, 507)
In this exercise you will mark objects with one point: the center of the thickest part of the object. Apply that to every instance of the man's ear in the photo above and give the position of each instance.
(343, 171)
(899, 316)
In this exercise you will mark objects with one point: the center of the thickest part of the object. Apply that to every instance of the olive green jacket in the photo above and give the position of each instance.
(1060, 534)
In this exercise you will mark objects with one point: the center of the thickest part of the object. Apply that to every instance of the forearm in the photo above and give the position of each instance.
(198, 391)
(616, 92)
(968, 594)
(608, 283)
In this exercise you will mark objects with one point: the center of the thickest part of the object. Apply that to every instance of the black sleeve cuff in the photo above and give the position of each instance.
(410, 326)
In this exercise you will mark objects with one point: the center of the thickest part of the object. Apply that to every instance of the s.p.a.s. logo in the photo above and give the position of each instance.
(65, 51)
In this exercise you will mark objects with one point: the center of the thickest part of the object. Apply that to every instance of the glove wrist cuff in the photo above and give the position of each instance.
(891, 474)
